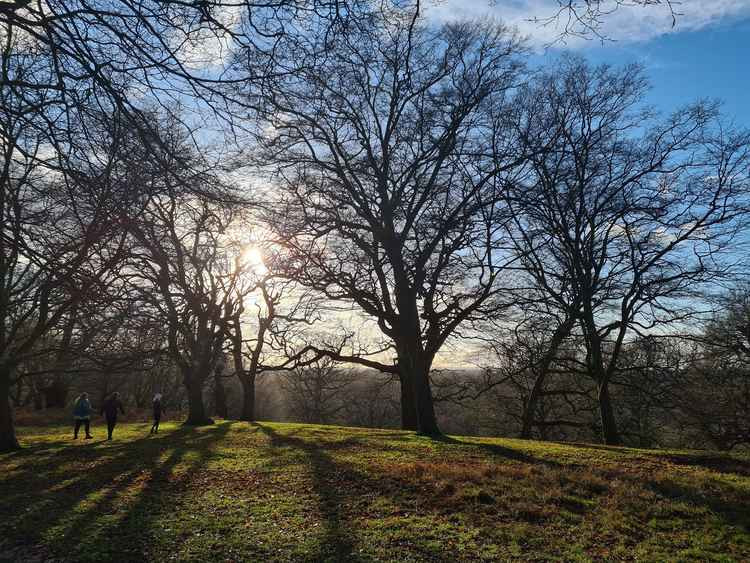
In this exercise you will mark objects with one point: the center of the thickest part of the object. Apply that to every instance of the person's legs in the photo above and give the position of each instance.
(156, 425)
(87, 425)
(110, 427)
(77, 427)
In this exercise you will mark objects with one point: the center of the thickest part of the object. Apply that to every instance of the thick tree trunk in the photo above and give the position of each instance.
(248, 398)
(56, 395)
(609, 426)
(414, 372)
(426, 420)
(8, 440)
(413, 360)
(196, 409)
(408, 404)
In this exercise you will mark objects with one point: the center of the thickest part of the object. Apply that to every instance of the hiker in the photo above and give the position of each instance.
(82, 415)
(109, 410)
(158, 410)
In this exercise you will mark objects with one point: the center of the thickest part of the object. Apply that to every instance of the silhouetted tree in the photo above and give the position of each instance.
(389, 151)
(625, 217)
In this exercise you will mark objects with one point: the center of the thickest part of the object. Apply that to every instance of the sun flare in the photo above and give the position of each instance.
(252, 257)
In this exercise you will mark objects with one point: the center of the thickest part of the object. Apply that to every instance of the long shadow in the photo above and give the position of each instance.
(734, 512)
(624, 450)
(717, 463)
(496, 450)
(708, 460)
(53, 468)
(52, 496)
(161, 491)
(337, 540)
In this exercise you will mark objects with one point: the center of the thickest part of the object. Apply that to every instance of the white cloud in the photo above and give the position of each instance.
(625, 24)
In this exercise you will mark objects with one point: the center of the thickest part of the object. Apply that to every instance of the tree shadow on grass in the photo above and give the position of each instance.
(495, 450)
(337, 540)
(714, 461)
(97, 503)
(717, 463)
(731, 508)
(400, 496)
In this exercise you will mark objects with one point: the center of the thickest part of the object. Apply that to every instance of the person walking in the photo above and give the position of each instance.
(109, 410)
(158, 410)
(82, 415)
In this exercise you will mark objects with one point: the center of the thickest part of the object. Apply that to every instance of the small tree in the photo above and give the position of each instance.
(316, 393)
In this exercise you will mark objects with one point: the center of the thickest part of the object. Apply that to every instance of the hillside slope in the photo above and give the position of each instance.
(267, 492)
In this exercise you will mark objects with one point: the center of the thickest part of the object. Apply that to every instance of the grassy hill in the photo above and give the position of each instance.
(267, 492)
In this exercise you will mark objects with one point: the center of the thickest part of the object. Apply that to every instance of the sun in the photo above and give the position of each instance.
(252, 257)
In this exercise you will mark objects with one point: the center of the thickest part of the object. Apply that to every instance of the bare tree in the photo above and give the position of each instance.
(316, 392)
(586, 18)
(266, 334)
(624, 227)
(59, 243)
(712, 396)
(389, 151)
(184, 273)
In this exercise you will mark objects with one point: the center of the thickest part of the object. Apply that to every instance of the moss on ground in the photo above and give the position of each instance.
(286, 492)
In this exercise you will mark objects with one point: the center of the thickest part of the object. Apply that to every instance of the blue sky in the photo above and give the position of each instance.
(705, 55)
(712, 62)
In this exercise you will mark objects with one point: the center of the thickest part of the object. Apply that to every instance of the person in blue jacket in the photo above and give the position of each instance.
(82, 415)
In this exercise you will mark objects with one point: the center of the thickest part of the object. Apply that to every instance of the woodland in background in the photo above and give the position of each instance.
(305, 210)
(669, 393)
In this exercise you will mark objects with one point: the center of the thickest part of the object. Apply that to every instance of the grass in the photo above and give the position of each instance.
(286, 492)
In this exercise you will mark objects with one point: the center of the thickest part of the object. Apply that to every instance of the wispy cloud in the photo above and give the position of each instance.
(625, 24)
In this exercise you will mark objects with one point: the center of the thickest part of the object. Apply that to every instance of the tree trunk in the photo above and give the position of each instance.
(414, 369)
(408, 405)
(413, 360)
(609, 425)
(38, 400)
(561, 332)
(220, 398)
(196, 409)
(8, 440)
(56, 395)
(248, 398)
(530, 407)
(426, 420)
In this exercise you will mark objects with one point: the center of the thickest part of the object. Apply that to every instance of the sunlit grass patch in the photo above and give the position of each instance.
(288, 492)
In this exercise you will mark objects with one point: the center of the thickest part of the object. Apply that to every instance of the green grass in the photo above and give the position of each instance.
(286, 492)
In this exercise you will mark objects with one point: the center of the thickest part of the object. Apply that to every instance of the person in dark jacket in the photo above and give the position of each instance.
(109, 410)
(158, 410)
(82, 415)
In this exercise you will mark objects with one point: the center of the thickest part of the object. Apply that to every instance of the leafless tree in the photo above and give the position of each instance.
(586, 18)
(59, 243)
(388, 151)
(185, 274)
(316, 392)
(267, 329)
(712, 396)
(625, 217)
